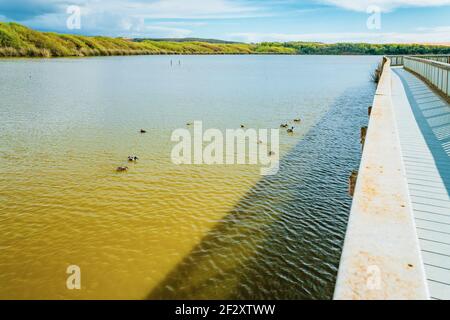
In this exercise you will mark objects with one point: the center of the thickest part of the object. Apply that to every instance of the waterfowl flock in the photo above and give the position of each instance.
(133, 158)
(291, 129)
(284, 125)
(125, 168)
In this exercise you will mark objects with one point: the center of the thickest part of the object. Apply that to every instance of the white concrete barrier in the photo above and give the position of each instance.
(381, 257)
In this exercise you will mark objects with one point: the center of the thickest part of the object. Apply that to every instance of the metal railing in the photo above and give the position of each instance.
(436, 73)
(398, 60)
(439, 58)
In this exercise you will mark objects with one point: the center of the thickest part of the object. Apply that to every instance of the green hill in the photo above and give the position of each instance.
(186, 40)
(19, 41)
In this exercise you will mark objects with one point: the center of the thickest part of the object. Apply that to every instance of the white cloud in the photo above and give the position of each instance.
(134, 17)
(156, 31)
(201, 8)
(384, 5)
(182, 23)
(435, 29)
(178, 9)
(189, 9)
(435, 35)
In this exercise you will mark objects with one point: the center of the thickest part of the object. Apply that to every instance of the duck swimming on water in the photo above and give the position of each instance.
(143, 131)
(121, 168)
(283, 125)
(132, 158)
(297, 120)
(291, 130)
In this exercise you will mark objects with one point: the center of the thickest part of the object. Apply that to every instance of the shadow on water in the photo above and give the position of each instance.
(283, 239)
(432, 114)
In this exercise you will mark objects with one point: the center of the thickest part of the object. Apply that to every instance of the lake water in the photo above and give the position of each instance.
(165, 231)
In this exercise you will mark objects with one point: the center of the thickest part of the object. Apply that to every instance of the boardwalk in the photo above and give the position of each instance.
(423, 122)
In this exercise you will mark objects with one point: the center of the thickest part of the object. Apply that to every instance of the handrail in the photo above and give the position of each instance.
(440, 58)
(397, 60)
(381, 257)
(439, 64)
(437, 74)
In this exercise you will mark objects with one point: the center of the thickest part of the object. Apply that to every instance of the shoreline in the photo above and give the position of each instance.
(184, 54)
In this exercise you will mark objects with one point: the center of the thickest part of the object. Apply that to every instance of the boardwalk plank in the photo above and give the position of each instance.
(424, 130)
(434, 236)
(439, 290)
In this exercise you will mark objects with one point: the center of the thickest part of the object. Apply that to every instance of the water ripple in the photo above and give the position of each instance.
(283, 239)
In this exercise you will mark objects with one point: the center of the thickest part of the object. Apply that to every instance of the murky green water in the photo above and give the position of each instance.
(166, 231)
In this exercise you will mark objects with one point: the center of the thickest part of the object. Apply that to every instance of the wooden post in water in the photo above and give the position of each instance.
(369, 110)
(352, 182)
(363, 135)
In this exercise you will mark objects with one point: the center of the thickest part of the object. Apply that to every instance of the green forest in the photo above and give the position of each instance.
(19, 41)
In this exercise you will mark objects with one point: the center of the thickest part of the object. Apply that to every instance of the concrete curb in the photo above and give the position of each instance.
(381, 257)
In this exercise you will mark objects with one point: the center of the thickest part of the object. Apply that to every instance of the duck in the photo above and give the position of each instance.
(271, 153)
(121, 168)
(291, 130)
(283, 125)
(242, 126)
(189, 124)
(143, 131)
(132, 158)
(297, 120)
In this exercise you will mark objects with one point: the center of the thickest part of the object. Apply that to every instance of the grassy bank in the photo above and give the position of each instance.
(19, 41)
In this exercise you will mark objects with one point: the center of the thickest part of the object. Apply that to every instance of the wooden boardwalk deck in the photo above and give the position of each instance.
(423, 121)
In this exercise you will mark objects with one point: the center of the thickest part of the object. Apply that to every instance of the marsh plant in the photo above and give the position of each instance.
(376, 74)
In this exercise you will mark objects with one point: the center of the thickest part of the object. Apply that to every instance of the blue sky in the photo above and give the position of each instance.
(242, 20)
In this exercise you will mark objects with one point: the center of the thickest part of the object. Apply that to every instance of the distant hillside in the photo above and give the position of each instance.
(447, 44)
(19, 41)
(186, 40)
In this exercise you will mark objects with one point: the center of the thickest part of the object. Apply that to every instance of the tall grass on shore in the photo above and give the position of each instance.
(376, 74)
(19, 41)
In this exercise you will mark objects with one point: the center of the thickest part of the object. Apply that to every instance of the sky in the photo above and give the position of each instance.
(373, 21)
